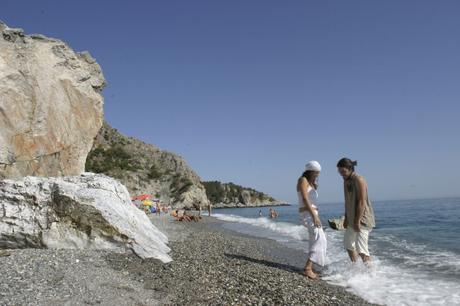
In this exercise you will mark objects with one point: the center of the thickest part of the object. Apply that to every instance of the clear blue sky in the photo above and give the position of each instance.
(249, 91)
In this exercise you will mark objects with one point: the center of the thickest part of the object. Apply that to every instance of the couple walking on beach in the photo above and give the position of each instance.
(359, 214)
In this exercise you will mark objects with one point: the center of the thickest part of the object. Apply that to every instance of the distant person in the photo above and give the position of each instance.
(158, 209)
(260, 212)
(209, 208)
(199, 210)
(359, 214)
(308, 196)
(182, 215)
(273, 213)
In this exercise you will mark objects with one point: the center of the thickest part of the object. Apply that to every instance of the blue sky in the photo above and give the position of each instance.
(249, 91)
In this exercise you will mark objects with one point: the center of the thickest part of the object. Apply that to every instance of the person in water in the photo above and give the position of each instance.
(359, 213)
(308, 196)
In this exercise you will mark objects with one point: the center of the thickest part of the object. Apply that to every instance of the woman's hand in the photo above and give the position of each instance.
(316, 221)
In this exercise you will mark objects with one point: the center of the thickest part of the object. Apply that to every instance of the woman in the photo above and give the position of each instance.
(308, 196)
(359, 214)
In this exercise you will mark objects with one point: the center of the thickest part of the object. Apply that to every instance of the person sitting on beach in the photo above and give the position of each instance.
(308, 196)
(195, 218)
(182, 216)
(359, 213)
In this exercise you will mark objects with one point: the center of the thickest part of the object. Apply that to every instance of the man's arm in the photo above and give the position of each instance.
(345, 221)
(362, 196)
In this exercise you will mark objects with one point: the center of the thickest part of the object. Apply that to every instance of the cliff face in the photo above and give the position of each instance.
(50, 105)
(145, 169)
(232, 195)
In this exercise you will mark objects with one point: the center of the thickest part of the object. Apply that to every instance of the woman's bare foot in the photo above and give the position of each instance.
(310, 274)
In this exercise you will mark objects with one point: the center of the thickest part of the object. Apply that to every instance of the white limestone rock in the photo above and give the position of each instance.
(87, 211)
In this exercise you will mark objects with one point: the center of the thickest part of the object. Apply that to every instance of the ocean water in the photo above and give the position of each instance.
(415, 248)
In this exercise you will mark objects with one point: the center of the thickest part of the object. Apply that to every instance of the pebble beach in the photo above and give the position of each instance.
(211, 266)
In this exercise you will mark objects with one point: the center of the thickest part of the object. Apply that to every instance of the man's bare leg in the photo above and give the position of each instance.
(366, 259)
(353, 255)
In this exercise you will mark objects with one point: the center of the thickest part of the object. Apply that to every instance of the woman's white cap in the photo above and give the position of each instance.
(313, 166)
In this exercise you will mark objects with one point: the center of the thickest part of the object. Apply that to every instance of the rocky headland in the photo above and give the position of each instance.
(226, 195)
(145, 169)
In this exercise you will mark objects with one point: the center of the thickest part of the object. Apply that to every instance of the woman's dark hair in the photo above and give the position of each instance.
(309, 176)
(347, 163)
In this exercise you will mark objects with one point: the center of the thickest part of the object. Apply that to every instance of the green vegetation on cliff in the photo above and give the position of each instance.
(143, 168)
(112, 159)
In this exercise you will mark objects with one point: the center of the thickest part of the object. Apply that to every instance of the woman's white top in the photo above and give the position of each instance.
(312, 195)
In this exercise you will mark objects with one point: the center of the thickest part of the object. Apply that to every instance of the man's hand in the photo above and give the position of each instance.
(357, 226)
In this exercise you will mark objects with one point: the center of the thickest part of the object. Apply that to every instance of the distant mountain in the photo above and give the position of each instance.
(232, 195)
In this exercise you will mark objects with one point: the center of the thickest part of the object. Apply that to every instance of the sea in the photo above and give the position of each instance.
(415, 248)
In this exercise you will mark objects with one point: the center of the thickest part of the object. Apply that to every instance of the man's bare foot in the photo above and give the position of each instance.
(310, 274)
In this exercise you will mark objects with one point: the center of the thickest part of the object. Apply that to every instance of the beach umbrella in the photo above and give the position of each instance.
(142, 197)
(147, 203)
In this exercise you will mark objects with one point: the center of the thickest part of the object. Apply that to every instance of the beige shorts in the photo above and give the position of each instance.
(355, 241)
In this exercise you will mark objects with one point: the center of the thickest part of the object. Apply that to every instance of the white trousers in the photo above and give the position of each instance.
(317, 240)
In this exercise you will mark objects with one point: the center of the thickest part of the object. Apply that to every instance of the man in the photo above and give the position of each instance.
(359, 214)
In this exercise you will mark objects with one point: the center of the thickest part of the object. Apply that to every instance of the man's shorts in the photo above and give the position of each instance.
(355, 241)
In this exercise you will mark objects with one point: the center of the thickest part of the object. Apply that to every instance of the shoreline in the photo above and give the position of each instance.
(211, 266)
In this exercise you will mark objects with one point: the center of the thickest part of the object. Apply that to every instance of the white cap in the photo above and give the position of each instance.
(313, 166)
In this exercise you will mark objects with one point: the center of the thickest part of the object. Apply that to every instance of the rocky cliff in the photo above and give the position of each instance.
(144, 168)
(50, 105)
(232, 195)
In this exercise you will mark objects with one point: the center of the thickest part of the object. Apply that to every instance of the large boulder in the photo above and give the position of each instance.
(51, 106)
(337, 223)
(87, 211)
